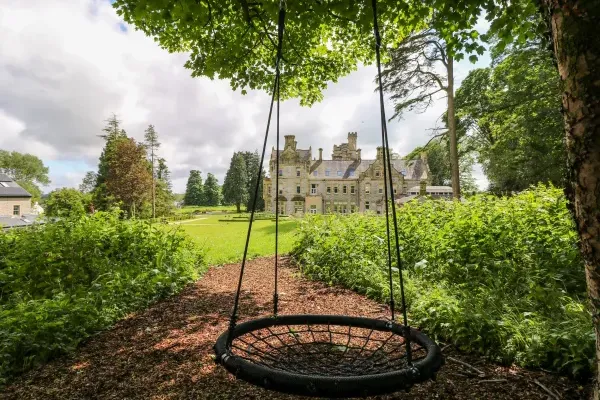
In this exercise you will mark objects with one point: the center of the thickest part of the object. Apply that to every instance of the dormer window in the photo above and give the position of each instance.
(339, 173)
(377, 174)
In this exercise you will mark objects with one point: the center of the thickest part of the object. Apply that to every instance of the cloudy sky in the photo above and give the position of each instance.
(67, 65)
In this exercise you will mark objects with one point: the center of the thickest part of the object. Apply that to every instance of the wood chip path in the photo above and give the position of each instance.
(165, 352)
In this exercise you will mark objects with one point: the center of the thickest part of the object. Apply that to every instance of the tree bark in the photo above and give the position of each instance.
(238, 205)
(574, 26)
(452, 130)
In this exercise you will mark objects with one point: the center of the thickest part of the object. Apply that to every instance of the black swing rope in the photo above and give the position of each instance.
(327, 355)
(388, 166)
(387, 177)
(233, 318)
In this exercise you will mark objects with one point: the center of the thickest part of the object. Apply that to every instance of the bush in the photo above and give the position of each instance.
(500, 276)
(66, 202)
(63, 281)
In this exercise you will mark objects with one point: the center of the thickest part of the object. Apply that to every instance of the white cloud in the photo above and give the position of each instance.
(66, 65)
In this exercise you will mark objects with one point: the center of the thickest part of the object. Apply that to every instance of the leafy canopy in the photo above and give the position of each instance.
(88, 182)
(23, 167)
(511, 114)
(66, 202)
(324, 39)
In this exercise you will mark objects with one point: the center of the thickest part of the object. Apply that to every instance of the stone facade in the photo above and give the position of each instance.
(14, 200)
(15, 206)
(344, 184)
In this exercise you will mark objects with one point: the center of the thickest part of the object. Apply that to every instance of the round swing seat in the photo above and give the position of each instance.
(328, 355)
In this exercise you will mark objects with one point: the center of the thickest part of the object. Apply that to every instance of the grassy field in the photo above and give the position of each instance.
(224, 241)
(189, 209)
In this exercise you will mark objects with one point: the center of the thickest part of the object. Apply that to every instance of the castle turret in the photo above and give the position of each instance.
(352, 136)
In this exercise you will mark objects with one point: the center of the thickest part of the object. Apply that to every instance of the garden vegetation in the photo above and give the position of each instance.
(66, 280)
(499, 276)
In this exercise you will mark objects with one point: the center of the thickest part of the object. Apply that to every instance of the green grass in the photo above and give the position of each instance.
(189, 209)
(224, 241)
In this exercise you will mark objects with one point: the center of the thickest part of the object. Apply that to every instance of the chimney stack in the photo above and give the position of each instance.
(380, 153)
(289, 142)
(320, 154)
(423, 188)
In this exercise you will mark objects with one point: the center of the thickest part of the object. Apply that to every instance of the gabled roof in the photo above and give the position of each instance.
(10, 188)
(414, 170)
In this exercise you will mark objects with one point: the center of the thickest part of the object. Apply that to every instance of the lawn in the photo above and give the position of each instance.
(224, 241)
(189, 209)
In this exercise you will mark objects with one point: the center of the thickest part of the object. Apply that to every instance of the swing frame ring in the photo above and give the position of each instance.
(323, 385)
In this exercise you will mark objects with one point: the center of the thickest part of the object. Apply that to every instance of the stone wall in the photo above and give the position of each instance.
(7, 205)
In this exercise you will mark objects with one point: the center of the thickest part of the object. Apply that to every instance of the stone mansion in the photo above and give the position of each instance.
(344, 184)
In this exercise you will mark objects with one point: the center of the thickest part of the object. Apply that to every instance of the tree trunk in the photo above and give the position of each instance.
(576, 40)
(238, 205)
(452, 131)
(153, 187)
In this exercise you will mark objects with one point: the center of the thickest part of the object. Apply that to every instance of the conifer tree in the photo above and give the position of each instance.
(235, 186)
(129, 179)
(193, 189)
(152, 144)
(212, 192)
(163, 173)
(112, 135)
(252, 162)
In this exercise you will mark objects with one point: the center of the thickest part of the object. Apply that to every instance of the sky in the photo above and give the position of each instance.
(68, 65)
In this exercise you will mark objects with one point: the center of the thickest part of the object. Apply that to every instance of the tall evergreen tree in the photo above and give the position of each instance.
(193, 189)
(129, 179)
(235, 186)
(412, 77)
(252, 163)
(152, 144)
(112, 135)
(163, 174)
(212, 192)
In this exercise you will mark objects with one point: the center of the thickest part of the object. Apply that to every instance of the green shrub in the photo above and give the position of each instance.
(62, 281)
(500, 276)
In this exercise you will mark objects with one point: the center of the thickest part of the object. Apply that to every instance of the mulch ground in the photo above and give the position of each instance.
(165, 352)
